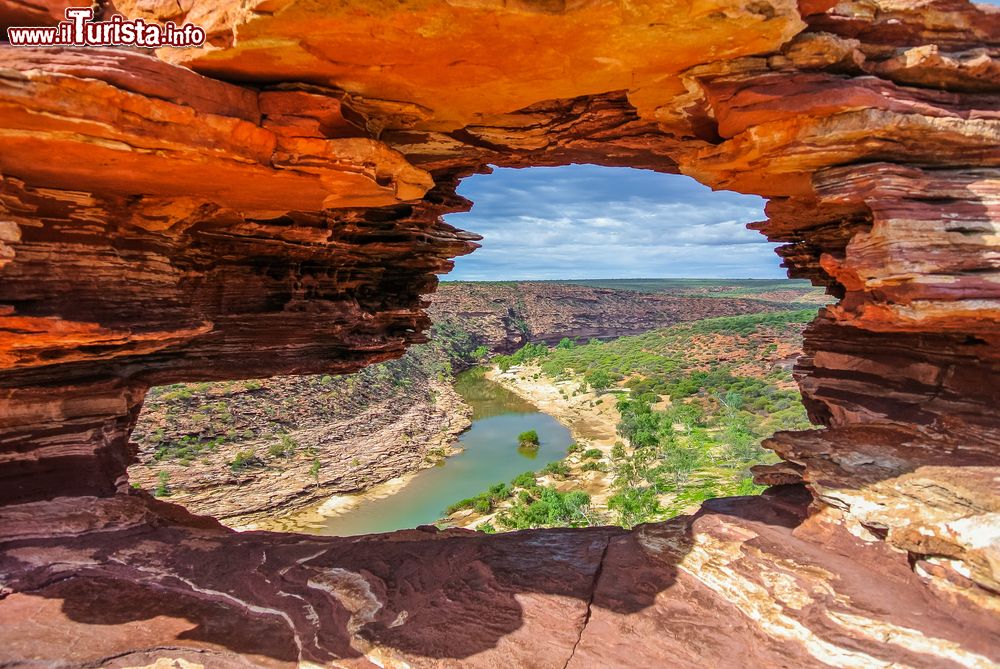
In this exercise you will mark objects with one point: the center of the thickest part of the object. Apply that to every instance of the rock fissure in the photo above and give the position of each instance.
(590, 602)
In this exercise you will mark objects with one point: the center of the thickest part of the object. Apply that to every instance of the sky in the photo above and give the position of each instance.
(589, 222)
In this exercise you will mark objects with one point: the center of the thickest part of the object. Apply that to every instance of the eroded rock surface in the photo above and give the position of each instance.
(743, 583)
(504, 317)
(302, 439)
(270, 204)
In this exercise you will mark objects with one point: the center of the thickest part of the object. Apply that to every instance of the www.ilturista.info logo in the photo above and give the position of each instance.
(80, 30)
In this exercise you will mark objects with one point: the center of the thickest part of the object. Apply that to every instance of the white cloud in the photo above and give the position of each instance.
(583, 221)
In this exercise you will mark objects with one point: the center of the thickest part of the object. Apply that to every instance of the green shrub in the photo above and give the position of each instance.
(525, 480)
(528, 439)
(284, 447)
(746, 486)
(599, 380)
(483, 502)
(593, 453)
(557, 468)
(618, 451)
(499, 491)
(466, 503)
(244, 460)
(634, 505)
(163, 484)
(550, 509)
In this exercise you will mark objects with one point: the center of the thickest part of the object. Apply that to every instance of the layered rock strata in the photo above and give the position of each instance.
(504, 317)
(270, 204)
(303, 439)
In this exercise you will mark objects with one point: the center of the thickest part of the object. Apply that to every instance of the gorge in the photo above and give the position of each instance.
(271, 203)
(244, 452)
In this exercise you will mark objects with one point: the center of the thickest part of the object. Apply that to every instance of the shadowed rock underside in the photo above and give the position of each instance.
(271, 204)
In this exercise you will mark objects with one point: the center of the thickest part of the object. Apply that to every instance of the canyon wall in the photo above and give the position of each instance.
(506, 316)
(270, 204)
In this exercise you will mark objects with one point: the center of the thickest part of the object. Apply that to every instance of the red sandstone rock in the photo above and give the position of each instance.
(744, 582)
(157, 225)
(209, 132)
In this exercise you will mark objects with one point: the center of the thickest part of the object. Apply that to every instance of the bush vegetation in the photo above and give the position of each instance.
(690, 426)
(284, 448)
(244, 460)
(528, 439)
(162, 484)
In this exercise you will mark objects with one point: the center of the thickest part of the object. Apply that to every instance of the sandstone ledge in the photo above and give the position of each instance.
(745, 581)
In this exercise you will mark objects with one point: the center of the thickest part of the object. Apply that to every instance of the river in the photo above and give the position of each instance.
(490, 455)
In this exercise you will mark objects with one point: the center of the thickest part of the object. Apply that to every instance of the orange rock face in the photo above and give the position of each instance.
(270, 204)
(461, 63)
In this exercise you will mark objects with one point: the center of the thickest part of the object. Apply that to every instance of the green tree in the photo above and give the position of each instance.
(688, 414)
(528, 439)
(640, 425)
(680, 461)
(599, 380)
(634, 505)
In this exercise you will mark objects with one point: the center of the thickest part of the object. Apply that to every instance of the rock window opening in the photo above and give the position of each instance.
(650, 394)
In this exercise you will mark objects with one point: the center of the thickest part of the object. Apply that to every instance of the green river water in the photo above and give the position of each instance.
(490, 455)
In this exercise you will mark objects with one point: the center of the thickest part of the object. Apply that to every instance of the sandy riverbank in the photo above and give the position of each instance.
(311, 519)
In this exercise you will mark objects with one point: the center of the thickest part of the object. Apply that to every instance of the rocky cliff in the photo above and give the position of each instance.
(243, 452)
(505, 316)
(270, 204)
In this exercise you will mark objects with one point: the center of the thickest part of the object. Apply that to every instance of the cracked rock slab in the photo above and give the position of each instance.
(746, 581)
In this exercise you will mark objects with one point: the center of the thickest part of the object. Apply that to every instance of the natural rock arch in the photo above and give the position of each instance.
(282, 215)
